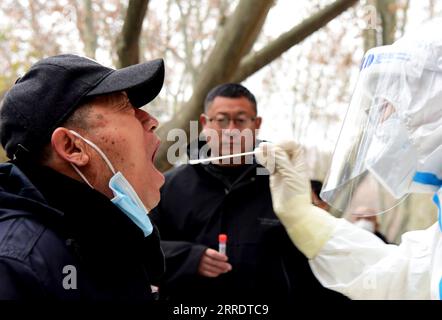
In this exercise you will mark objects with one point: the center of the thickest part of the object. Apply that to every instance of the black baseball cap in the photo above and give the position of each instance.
(54, 87)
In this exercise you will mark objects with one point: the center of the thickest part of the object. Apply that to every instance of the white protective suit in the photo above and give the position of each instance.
(344, 257)
(356, 263)
(406, 157)
(393, 135)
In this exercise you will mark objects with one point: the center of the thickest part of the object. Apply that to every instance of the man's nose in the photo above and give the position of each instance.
(231, 131)
(149, 122)
(155, 122)
(231, 125)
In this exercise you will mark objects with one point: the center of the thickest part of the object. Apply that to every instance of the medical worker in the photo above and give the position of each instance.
(391, 142)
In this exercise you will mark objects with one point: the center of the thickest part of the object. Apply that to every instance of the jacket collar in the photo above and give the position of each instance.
(102, 232)
(87, 212)
(19, 196)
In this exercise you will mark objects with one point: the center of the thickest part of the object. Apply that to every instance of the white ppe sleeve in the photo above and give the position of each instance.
(358, 264)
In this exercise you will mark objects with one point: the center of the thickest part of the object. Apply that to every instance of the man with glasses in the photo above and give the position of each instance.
(231, 197)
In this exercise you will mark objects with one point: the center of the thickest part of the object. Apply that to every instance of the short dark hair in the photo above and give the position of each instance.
(229, 90)
(79, 119)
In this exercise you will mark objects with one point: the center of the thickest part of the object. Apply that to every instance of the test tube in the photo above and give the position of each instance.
(222, 240)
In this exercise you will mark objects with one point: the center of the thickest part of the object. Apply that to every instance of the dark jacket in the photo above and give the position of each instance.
(57, 233)
(197, 204)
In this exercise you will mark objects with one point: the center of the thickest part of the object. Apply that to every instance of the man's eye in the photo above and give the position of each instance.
(240, 120)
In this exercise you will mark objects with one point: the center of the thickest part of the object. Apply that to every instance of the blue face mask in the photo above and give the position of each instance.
(125, 197)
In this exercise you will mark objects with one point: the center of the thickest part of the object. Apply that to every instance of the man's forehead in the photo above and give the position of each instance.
(230, 105)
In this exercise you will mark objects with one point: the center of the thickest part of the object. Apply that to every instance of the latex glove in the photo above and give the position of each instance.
(308, 226)
(285, 162)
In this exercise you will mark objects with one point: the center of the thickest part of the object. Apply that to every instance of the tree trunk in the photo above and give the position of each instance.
(256, 60)
(387, 10)
(90, 35)
(370, 34)
(240, 32)
(128, 48)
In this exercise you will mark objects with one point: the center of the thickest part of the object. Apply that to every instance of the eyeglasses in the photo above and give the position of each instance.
(222, 121)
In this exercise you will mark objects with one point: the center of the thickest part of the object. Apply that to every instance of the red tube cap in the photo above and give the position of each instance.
(222, 238)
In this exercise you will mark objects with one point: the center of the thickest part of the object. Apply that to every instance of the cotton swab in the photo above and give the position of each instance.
(196, 161)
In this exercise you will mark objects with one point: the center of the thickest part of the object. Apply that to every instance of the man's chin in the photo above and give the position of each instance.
(154, 195)
(161, 179)
(154, 202)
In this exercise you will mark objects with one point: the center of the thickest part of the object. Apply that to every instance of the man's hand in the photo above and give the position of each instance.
(213, 263)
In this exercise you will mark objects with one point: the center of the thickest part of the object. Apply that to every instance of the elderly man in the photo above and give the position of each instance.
(75, 196)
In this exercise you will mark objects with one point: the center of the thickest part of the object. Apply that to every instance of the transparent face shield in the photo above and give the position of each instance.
(374, 161)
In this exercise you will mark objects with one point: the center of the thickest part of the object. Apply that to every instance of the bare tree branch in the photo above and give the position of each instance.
(255, 61)
(189, 45)
(405, 18)
(90, 36)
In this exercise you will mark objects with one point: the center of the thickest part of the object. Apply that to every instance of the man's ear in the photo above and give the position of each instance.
(258, 122)
(69, 147)
(203, 120)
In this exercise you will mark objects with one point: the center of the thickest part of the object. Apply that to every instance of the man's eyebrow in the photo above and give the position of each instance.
(227, 114)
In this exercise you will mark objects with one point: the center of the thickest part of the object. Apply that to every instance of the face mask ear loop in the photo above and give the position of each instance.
(81, 175)
(93, 145)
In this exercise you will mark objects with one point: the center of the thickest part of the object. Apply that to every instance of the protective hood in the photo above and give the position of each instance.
(390, 142)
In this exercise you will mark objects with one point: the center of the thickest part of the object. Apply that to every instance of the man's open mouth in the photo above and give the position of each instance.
(155, 152)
